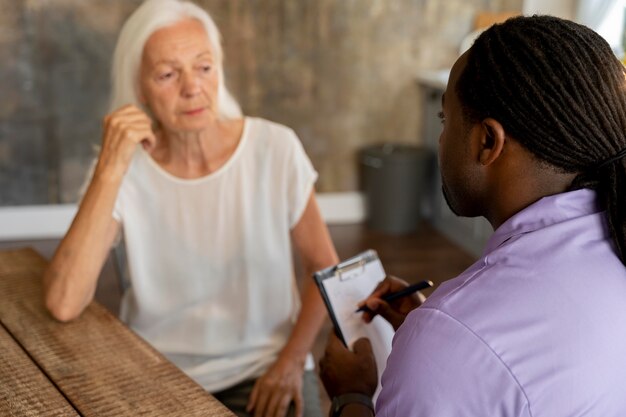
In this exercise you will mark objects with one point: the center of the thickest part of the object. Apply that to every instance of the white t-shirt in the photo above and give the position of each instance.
(212, 282)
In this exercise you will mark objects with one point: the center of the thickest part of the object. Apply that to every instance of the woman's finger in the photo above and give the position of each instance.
(253, 397)
(298, 402)
(274, 404)
(261, 401)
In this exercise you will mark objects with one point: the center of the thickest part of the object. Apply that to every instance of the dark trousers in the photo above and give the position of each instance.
(236, 398)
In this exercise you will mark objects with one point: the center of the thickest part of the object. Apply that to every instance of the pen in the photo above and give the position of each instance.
(403, 293)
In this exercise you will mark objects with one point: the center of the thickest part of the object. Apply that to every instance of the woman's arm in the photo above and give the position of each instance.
(70, 279)
(315, 247)
(283, 381)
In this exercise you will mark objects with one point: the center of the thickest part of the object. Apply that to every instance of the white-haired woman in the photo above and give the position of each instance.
(209, 203)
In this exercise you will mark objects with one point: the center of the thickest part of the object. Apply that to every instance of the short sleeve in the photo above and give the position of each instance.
(301, 177)
(440, 368)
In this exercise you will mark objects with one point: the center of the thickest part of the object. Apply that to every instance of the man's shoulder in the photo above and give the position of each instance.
(450, 293)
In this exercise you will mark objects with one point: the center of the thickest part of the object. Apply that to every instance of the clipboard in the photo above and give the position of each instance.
(342, 286)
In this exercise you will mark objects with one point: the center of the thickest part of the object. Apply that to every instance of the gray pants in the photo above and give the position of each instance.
(236, 398)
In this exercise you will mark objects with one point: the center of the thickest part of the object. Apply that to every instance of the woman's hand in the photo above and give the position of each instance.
(274, 391)
(394, 312)
(124, 129)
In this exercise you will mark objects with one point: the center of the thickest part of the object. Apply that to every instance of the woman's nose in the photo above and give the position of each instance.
(190, 84)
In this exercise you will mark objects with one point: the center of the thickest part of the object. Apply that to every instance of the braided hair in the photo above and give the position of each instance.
(558, 89)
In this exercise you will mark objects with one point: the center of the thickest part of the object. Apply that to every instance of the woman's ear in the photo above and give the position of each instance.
(141, 97)
(492, 143)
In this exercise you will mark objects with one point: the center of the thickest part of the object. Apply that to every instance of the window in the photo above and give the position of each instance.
(604, 16)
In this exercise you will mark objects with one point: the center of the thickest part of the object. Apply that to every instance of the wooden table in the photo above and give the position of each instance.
(92, 366)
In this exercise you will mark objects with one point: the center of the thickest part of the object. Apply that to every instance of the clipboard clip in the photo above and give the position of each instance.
(343, 269)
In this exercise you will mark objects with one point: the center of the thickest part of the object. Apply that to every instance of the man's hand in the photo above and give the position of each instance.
(274, 391)
(396, 311)
(345, 372)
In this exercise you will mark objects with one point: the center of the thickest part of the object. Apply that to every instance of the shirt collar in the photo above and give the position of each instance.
(545, 212)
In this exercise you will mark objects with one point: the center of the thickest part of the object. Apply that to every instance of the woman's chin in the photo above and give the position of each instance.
(191, 126)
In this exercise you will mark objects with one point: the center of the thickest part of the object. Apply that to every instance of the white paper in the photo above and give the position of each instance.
(344, 292)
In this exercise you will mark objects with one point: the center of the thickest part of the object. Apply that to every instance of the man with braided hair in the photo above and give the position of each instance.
(534, 139)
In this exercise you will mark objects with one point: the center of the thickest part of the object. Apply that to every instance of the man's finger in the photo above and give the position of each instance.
(380, 307)
(372, 305)
(334, 346)
(363, 347)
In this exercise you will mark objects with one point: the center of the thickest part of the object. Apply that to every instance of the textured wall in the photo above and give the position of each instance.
(340, 72)
(54, 81)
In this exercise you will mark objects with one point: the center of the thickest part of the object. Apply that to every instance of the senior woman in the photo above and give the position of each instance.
(210, 203)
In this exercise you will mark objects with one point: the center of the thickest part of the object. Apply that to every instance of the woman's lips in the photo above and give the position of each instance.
(193, 112)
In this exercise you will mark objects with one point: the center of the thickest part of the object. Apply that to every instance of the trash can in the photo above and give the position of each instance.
(393, 179)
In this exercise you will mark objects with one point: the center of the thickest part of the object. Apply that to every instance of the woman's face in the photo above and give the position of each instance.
(178, 80)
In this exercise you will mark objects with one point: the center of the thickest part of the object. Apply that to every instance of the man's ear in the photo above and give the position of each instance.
(492, 143)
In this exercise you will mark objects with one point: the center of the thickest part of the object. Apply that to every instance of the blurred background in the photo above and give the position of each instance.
(344, 74)
(340, 73)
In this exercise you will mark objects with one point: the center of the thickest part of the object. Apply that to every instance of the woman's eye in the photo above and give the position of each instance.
(166, 76)
(206, 68)
(441, 116)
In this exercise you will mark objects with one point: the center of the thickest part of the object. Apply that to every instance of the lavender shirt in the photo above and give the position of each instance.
(536, 327)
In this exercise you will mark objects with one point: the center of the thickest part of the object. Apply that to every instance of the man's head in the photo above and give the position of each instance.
(556, 90)
(485, 171)
(555, 86)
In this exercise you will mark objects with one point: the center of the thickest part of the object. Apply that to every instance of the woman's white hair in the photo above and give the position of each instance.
(151, 16)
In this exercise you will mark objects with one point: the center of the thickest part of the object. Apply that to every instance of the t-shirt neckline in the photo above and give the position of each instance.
(212, 175)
